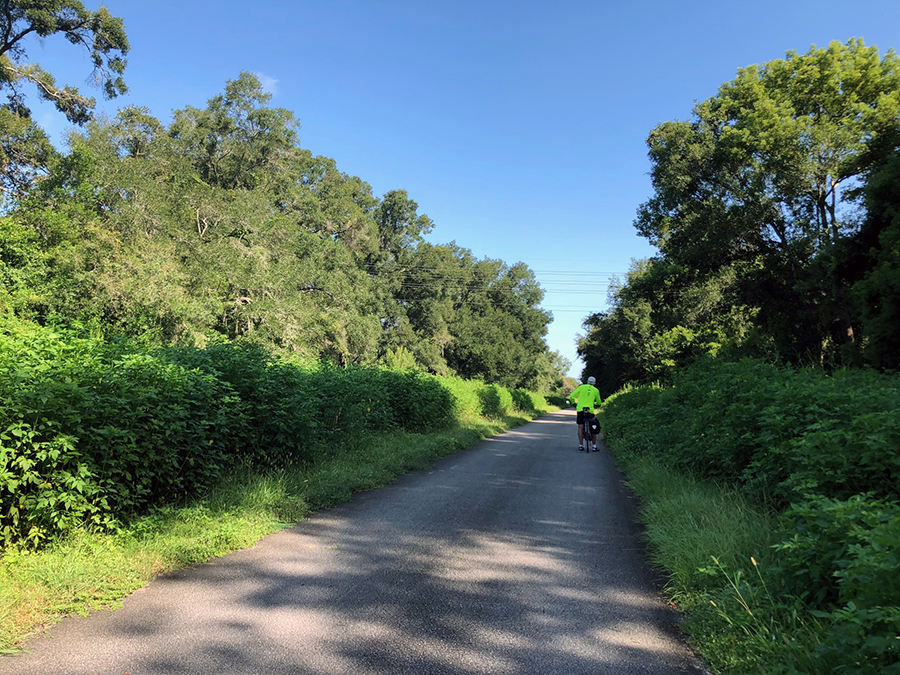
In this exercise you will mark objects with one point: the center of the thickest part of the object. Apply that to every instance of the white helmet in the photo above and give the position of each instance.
(592, 379)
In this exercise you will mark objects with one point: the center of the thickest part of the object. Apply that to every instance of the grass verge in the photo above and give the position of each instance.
(91, 570)
(714, 549)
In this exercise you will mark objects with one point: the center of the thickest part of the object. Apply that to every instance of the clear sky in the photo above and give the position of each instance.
(519, 127)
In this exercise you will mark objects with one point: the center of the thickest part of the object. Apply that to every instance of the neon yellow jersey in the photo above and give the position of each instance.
(585, 396)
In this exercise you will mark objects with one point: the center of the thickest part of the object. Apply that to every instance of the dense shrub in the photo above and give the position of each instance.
(631, 425)
(558, 401)
(779, 433)
(496, 401)
(275, 403)
(823, 449)
(419, 402)
(466, 402)
(854, 541)
(843, 557)
(295, 409)
(93, 431)
(88, 430)
(527, 401)
(472, 398)
(845, 441)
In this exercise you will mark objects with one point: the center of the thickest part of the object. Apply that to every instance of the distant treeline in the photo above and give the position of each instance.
(220, 225)
(776, 211)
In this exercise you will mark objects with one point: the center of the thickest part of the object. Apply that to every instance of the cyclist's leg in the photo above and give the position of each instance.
(580, 425)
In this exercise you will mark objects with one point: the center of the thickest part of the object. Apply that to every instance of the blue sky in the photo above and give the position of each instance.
(518, 127)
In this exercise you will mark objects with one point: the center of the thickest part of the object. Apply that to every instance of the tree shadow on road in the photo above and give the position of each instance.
(550, 579)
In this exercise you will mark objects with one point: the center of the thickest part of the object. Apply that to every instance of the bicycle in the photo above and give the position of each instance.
(586, 431)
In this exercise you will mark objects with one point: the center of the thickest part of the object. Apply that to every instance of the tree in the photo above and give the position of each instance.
(764, 162)
(878, 287)
(24, 147)
(756, 214)
(763, 177)
(221, 226)
(238, 141)
(332, 203)
(497, 327)
(399, 224)
(474, 318)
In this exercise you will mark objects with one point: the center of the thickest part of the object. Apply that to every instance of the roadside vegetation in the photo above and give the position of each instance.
(120, 462)
(772, 502)
(207, 332)
(218, 226)
(751, 365)
(776, 214)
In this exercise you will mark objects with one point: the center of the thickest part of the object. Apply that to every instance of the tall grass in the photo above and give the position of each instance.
(715, 550)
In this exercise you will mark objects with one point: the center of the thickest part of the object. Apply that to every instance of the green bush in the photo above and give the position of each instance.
(779, 433)
(496, 401)
(527, 401)
(854, 541)
(464, 393)
(88, 430)
(276, 403)
(296, 410)
(558, 401)
(825, 450)
(631, 422)
(94, 431)
(45, 487)
(418, 402)
(843, 557)
(849, 444)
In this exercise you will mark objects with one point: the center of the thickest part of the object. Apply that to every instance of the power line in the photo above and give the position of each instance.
(431, 268)
(572, 311)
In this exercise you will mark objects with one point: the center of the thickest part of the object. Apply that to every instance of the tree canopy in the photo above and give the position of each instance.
(220, 226)
(24, 147)
(757, 202)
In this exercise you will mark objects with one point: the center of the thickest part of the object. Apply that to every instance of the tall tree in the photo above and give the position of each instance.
(238, 141)
(878, 286)
(763, 174)
(764, 162)
(221, 224)
(756, 212)
(24, 147)
(399, 224)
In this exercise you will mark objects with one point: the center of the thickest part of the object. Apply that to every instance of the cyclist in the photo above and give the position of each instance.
(585, 397)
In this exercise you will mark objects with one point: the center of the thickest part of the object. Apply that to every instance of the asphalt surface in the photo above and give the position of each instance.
(516, 556)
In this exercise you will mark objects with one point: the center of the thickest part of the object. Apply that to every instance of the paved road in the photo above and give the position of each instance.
(516, 556)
